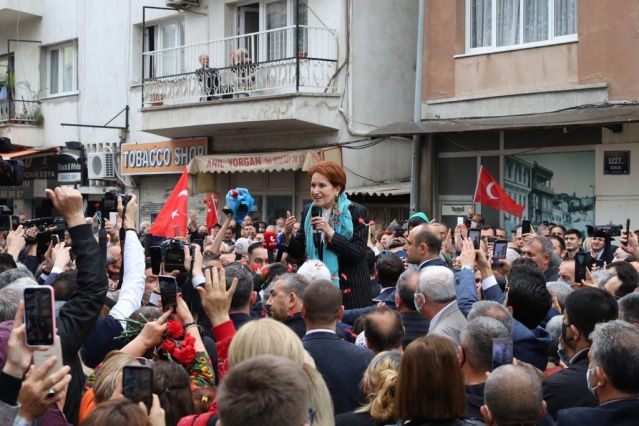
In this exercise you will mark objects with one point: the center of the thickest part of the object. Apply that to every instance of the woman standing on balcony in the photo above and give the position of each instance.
(335, 231)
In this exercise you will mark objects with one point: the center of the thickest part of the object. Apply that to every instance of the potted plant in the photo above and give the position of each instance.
(156, 99)
(38, 118)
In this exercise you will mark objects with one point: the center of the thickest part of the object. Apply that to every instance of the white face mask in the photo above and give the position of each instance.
(416, 296)
(591, 389)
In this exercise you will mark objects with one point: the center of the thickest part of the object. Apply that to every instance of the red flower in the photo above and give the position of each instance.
(347, 291)
(361, 220)
(174, 329)
(344, 276)
(185, 355)
(168, 346)
(371, 223)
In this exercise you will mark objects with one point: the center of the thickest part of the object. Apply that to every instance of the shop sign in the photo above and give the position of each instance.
(616, 162)
(69, 168)
(455, 209)
(161, 157)
(236, 163)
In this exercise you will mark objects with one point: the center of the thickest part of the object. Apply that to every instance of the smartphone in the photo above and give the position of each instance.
(399, 233)
(580, 267)
(563, 357)
(386, 253)
(502, 351)
(492, 240)
(499, 252)
(401, 254)
(168, 292)
(40, 357)
(525, 227)
(628, 226)
(137, 384)
(55, 239)
(156, 259)
(39, 316)
(475, 234)
(460, 220)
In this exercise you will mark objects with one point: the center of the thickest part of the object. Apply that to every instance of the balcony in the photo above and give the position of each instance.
(11, 11)
(282, 84)
(543, 188)
(21, 121)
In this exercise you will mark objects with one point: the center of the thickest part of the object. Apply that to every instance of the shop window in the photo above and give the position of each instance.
(278, 205)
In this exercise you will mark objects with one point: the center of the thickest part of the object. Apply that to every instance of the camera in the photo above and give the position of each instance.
(171, 252)
(109, 202)
(605, 231)
(47, 226)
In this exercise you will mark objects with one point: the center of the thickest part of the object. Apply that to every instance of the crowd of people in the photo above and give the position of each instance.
(341, 324)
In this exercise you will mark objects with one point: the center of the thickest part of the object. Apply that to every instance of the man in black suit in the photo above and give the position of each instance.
(285, 301)
(475, 353)
(612, 376)
(342, 364)
(584, 309)
(512, 396)
(389, 268)
(423, 246)
(415, 325)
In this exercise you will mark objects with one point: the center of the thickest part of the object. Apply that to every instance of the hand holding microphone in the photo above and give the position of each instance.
(316, 211)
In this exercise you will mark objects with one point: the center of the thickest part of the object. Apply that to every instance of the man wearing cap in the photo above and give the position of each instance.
(241, 247)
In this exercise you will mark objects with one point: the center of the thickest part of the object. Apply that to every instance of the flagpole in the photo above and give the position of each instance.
(477, 184)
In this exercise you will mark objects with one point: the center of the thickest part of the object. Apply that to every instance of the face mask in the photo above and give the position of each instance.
(564, 283)
(154, 299)
(591, 389)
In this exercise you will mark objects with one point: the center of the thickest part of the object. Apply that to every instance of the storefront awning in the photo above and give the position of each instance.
(396, 188)
(588, 115)
(258, 162)
(27, 152)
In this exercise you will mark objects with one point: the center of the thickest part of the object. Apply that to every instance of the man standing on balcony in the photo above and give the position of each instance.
(209, 77)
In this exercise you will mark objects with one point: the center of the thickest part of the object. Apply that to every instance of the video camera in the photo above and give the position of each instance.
(109, 202)
(171, 252)
(604, 231)
(47, 227)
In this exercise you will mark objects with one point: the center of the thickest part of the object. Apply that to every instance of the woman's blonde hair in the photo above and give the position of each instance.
(269, 337)
(265, 337)
(107, 376)
(321, 399)
(380, 379)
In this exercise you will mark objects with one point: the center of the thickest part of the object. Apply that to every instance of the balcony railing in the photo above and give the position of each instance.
(20, 112)
(271, 66)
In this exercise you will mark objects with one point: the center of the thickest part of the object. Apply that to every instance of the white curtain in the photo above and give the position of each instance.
(507, 22)
(535, 20)
(481, 23)
(565, 17)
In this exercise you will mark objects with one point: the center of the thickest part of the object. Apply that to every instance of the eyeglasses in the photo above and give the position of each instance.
(477, 280)
(311, 415)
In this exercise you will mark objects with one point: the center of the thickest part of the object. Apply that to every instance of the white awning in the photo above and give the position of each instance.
(395, 188)
(258, 162)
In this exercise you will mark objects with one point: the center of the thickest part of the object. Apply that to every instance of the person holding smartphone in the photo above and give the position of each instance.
(78, 316)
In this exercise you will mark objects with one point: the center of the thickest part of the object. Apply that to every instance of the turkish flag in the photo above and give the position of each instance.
(489, 193)
(211, 211)
(173, 214)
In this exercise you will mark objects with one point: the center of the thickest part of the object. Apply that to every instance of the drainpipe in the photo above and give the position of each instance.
(349, 94)
(417, 111)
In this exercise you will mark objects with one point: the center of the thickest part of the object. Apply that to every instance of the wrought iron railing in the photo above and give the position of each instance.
(20, 112)
(258, 64)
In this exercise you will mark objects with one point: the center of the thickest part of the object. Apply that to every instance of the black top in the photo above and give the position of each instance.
(354, 277)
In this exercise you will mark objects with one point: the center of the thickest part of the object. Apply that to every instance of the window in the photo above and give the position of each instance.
(63, 69)
(272, 16)
(494, 25)
(164, 40)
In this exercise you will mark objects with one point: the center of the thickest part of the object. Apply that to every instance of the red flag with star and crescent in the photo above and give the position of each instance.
(211, 211)
(489, 193)
(173, 214)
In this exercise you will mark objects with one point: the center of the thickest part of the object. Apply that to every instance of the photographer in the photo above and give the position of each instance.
(78, 316)
(100, 341)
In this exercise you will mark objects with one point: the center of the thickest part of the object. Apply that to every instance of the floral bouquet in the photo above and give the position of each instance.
(176, 344)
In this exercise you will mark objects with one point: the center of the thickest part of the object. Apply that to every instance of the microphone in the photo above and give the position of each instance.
(270, 243)
(317, 237)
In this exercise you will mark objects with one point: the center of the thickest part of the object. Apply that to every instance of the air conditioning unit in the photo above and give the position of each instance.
(182, 4)
(101, 165)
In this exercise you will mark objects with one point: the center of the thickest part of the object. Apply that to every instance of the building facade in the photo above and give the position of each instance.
(543, 94)
(307, 76)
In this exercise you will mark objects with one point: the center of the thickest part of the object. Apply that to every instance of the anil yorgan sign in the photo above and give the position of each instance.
(160, 157)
